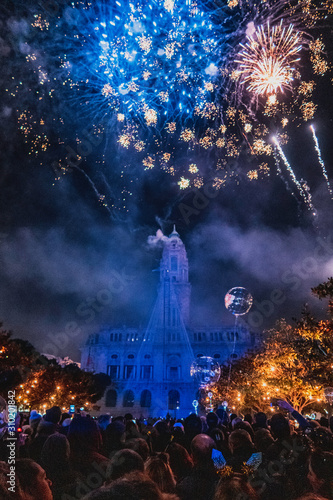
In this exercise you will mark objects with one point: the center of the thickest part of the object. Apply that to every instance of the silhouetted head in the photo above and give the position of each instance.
(201, 448)
(123, 462)
(280, 426)
(53, 415)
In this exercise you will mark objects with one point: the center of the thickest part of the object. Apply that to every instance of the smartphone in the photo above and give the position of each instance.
(218, 459)
(255, 460)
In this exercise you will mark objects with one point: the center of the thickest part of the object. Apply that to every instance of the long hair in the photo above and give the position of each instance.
(235, 487)
(159, 470)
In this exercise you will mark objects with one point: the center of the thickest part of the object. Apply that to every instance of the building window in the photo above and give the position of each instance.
(111, 337)
(147, 356)
(174, 264)
(113, 371)
(199, 355)
(234, 356)
(146, 371)
(145, 400)
(128, 400)
(217, 356)
(130, 356)
(114, 356)
(173, 372)
(173, 400)
(129, 371)
(111, 398)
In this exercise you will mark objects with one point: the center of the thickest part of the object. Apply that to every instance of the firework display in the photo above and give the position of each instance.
(182, 86)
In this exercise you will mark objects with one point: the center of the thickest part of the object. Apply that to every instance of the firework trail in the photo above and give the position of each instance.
(302, 188)
(321, 161)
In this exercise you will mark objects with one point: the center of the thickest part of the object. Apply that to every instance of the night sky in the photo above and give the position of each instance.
(74, 239)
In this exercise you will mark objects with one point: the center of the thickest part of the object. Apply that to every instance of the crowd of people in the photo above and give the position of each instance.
(219, 456)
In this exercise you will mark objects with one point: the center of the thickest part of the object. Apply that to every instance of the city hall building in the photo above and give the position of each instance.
(150, 367)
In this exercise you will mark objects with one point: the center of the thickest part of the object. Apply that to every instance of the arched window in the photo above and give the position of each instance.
(173, 400)
(130, 356)
(111, 398)
(145, 400)
(114, 356)
(128, 399)
(217, 356)
(147, 356)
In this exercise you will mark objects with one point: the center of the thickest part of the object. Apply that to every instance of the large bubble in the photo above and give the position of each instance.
(238, 301)
(205, 371)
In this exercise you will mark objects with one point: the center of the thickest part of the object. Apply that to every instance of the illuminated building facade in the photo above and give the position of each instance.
(150, 367)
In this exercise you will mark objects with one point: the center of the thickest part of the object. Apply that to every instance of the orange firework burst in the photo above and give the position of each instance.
(266, 60)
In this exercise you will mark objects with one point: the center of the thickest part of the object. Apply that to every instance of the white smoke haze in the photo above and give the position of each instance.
(21, 27)
(158, 239)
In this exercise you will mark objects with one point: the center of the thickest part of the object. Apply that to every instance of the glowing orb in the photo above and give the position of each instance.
(205, 371)
(238, 301)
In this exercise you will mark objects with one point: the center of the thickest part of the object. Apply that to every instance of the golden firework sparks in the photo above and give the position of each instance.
(148, 162)
(171, 127)
(308, 110)
(187, 135)
(107, 90)
(252, 175)
(266, 60)
(150, 116)
(183, 183)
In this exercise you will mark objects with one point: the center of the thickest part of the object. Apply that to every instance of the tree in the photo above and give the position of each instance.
(17, 359)
(294, 363)
(41, 383)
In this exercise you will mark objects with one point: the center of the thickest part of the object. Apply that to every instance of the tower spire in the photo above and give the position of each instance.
(174, 231)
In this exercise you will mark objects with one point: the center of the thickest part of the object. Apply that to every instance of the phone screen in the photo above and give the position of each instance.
(218, 459)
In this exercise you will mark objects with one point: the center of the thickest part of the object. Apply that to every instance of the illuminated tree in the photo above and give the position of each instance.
(294, 363)
(61, 386)
(40, 383)
(17, 359)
